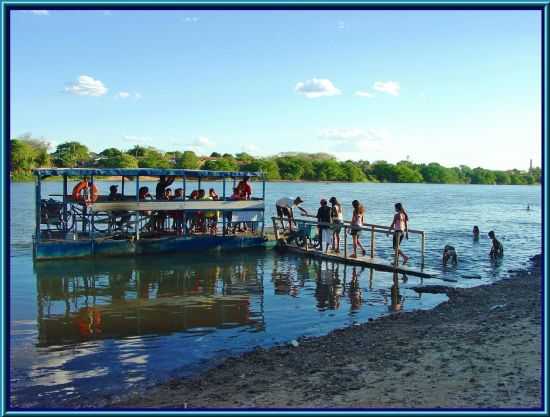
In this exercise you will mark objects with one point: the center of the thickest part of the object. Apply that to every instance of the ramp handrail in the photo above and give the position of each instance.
(369, 227)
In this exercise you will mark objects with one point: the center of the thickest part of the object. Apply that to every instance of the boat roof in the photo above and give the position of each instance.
(150, 172)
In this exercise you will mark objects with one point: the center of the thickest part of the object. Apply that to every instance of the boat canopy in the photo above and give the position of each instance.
(150, 172)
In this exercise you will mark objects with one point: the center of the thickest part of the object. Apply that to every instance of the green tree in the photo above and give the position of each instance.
(353, 172)
(154, 159)
(222, 164)
(137, 151)
(188, 160)
(405, 172)
(382, 171)
(123, 160)
(215, 155)
(111, 152)
(268, 166)
(244, 157)
(482, 176)
(71, 154)
(290, 168)
(502, 178)
(22, 156)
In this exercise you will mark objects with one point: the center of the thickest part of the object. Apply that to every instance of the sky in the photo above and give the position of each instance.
(454, 87)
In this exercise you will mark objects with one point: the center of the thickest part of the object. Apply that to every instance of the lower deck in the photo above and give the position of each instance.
(84, 248)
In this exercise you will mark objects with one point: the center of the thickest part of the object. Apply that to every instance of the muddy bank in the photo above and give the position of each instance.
(480, 349)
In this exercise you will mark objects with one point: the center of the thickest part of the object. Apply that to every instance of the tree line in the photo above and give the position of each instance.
(28, 153)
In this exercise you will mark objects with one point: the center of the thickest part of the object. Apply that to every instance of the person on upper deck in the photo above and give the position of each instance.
(178, 194)
(324, 215)
(400, 227)
(284, 207)
(213, 194)
(244, 188)
(164, 182)
(144, 194)
(113, 193)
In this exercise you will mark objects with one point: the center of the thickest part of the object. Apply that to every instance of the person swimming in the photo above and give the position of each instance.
(475, 233)
(449, 254)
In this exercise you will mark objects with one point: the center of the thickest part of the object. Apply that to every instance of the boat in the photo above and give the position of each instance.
(86, 223)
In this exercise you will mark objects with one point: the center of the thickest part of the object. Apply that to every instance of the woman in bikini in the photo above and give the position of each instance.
(400, 227)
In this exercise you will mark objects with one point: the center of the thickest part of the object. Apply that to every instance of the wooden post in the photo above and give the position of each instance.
(372, 238)
(275, 229)
(184, 188)
(345, 242)
(65, 221)
(423, 239)
(138, 216)
(122, 186)
(37, 205)
(224, 216)
(92, 214)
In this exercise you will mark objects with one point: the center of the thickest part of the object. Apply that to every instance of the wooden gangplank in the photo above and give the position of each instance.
(365, 261)
(371, 261)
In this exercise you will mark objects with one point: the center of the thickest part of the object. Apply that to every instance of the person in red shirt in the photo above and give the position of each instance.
(244, 188)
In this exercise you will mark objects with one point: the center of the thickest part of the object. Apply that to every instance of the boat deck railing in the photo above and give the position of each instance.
(306, 235)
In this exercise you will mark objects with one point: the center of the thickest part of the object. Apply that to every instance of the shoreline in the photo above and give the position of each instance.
(479, 349)
(155, 179)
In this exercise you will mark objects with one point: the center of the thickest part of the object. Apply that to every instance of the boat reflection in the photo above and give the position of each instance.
(115, 298)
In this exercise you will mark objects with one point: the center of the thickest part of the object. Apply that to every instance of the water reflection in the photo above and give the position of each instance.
(114, 299)
(105, 325)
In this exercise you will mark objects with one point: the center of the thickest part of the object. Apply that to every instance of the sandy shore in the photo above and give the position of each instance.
(480, 349)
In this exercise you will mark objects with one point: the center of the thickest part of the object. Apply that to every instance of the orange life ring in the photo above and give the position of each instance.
(78, 192)
(88, 321)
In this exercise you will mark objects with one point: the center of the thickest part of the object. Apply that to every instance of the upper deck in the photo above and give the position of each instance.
(144, 172)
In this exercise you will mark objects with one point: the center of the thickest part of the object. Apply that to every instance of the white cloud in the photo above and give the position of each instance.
(363, 93)
(390, 87)
(137, 96)
(350, 135)
(250, 148)
(123, 94)
(354, 143)
(203, 142)
(87, 86)
(191, 19)
(40, 12)
(341, 25)
(317, 87)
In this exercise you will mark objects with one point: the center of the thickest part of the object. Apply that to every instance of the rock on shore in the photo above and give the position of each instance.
(480, 349)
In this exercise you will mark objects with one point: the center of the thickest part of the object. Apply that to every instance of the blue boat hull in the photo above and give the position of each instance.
(87, 248)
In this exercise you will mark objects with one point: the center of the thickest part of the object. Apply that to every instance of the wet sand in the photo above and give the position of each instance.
(480, 349)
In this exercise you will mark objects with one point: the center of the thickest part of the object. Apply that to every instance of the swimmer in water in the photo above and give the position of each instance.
(449, 253)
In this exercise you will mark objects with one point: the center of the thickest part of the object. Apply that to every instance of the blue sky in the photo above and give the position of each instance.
(456, 87)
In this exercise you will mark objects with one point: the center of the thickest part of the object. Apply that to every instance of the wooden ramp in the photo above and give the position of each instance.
(365, 261)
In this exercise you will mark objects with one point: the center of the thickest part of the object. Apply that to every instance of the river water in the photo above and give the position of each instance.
(82, 329)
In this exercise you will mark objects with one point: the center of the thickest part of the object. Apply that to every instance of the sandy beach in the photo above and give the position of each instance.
(479, 349)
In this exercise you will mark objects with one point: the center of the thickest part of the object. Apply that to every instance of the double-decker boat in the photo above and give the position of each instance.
(86, 222)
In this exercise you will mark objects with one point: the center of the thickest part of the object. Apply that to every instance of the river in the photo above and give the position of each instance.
(79, 329)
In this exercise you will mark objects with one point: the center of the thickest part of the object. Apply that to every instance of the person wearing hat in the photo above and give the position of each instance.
(113, 193)
(284, 207)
